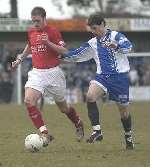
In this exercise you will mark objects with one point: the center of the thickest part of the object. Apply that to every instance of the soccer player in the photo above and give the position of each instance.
(108, 48)
(46, 77)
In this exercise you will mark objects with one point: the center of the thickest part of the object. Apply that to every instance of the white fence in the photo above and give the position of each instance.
(141, 93)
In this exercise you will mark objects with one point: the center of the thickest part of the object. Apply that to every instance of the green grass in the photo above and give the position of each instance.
(65, 151)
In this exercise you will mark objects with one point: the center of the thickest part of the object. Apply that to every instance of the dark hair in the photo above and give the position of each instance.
(38, 11)
(96, 19)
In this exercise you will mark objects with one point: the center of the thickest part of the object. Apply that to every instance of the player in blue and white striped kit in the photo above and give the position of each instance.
(108, 48)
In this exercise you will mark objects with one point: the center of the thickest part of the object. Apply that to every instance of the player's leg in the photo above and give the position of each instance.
(127, 125)
(73, 117)
(93, 93)
(57, 88)
(31, 99)
(119, 92)
(34, 89)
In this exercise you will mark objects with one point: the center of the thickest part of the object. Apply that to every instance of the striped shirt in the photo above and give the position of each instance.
(108, 60)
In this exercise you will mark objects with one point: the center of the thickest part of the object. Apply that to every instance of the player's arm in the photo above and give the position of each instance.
(123, 44)
(21, 56)
(56, 41)
(83, 53)
(57, 48)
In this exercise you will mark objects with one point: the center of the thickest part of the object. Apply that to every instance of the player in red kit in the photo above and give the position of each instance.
(46, 77)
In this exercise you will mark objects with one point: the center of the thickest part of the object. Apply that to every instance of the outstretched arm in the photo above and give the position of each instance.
(83, 53)
(21, 56)
(57, 48)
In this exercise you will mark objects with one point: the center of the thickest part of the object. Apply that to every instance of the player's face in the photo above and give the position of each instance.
(38, 22)
(97, 30)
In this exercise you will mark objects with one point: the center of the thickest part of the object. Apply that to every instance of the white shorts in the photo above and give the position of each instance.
(50, 82)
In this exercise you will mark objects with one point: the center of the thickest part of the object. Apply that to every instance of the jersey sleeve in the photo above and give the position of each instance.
(57, 38)
(124, 45)
(81, 54)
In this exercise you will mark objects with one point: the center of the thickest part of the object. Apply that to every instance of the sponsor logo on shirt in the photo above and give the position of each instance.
(38, 48)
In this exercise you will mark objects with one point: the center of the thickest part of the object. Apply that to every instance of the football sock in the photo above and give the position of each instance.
(97, 128)
(36, 118)
(72, 115)
(93, 113)
(127, 123)
(43, 130)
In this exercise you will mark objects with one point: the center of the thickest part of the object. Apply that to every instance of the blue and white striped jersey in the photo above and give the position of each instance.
(108, 60)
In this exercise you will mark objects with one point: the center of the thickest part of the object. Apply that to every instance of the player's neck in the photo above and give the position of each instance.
(103, 33)
(43, 26)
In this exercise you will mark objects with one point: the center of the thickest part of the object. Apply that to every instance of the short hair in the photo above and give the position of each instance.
(96, 19)
(38, 11)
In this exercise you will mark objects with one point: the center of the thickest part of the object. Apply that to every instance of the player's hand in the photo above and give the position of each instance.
(111, 45)
(15, 64)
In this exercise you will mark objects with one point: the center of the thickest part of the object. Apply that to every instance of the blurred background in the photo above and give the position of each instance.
(129, 17)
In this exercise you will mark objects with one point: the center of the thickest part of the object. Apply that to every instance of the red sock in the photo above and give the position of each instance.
(36, 118)
(72, 115)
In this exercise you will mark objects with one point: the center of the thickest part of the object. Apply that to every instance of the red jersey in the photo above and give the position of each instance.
(44, 57)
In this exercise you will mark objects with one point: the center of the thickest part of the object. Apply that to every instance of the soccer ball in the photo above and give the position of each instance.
(33, 142)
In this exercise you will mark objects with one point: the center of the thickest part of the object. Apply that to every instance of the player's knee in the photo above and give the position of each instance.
(124, 114)
(28, 102)
(64, 110)
(90, 97)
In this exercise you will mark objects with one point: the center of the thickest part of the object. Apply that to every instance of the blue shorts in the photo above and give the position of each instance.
(116, 85)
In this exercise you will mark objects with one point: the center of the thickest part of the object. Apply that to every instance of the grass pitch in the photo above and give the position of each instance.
(65, 151)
